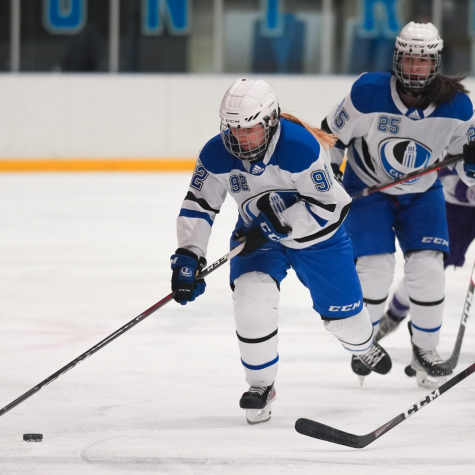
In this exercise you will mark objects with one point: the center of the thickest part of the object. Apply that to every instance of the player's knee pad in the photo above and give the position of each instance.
(256, 300)
(376, 274)
(355, 333)
(425, 276)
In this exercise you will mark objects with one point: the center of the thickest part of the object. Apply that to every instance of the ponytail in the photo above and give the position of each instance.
(326, 140)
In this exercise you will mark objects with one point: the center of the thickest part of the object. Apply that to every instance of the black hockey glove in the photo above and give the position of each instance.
(469, 159)
(186, 266)
(268, 229)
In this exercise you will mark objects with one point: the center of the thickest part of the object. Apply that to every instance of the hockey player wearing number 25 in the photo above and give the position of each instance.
(290, 214)
(394, 124)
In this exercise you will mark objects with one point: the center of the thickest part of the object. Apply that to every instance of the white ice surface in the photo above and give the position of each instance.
(81, 255)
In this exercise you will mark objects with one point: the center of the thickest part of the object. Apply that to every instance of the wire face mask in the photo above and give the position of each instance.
(248, 143)
(414, 70)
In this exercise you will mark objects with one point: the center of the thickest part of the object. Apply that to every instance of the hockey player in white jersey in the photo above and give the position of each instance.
(290, 214)
(391, 125)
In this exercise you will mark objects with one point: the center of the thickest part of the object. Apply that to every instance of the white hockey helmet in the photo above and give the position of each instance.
(248, 103)
(417, 42)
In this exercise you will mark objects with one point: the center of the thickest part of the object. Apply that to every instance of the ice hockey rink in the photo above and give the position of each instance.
(82, 254)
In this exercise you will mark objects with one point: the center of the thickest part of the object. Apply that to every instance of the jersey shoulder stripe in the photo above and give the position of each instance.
(297, 148)
(372, 93)
(460, 107)
(217, 160)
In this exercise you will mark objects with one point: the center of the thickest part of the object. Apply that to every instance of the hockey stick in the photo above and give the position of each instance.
(117, 333)
(453, 360)
(436, 166)
(323, 432)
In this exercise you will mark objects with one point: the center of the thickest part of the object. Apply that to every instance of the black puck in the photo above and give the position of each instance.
(32, 437)
(410, 371)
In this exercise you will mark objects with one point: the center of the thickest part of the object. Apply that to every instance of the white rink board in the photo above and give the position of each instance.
(137, 116)
(83, 254)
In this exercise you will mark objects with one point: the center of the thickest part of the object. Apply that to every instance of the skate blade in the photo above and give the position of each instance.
(430, 382)
(258, 416)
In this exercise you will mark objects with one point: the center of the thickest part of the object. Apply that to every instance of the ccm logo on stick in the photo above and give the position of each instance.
(345, 308)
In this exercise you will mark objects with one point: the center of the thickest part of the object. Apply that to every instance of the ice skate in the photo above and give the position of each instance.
(257, 402)
(360, 369)
(376, 359)
(431, 369)
(387, 325)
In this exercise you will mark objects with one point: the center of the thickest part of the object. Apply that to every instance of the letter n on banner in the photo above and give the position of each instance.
(175, 13)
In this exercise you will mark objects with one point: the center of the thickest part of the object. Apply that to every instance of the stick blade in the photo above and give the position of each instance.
(329, 434)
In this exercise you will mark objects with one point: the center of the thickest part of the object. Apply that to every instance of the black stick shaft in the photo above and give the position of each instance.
(424, 401)
(116, 334)
(453, 360)
(330, 434)
(436, 166)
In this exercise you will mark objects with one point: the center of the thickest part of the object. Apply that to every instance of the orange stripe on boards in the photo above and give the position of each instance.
(99, 165)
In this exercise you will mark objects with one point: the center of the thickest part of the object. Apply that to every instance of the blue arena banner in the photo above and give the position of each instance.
(64, 17)
(175, 13)
(273, 24)
(380, 18)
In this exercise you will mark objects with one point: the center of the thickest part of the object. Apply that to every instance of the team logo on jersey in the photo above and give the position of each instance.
(278, 201)
(400, 156)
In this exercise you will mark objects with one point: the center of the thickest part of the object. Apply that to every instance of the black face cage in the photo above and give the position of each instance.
(236, 148)
(415, 80)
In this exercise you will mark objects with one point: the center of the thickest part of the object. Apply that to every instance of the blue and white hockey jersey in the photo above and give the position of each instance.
(386, 140)
(295, 167)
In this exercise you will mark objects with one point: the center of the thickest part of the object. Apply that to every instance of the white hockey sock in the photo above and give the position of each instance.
(376, 274)
(355, 333)
(425, 281)
(256, 300)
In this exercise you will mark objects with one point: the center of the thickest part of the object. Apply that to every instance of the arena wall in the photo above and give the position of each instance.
(132, 122)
